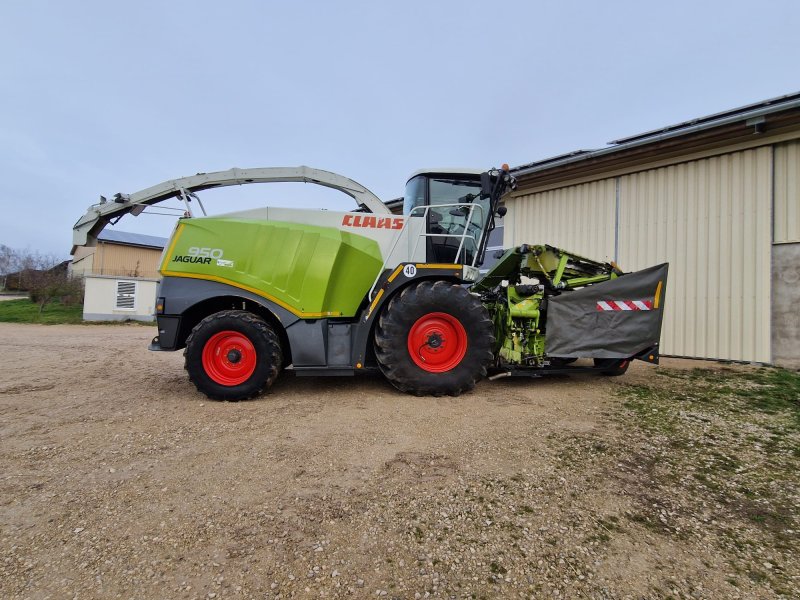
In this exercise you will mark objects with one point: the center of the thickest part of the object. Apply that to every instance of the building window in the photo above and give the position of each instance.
(126, 295)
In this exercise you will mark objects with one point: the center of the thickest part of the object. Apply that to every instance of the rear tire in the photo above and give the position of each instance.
(434, 338)
(232, 355)
(612, 367)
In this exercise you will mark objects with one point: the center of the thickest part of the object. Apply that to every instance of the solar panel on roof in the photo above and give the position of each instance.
(134, 239)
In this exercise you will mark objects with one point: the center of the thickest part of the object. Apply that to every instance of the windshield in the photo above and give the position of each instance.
(443, 190)
(456, 191)
(448, 222)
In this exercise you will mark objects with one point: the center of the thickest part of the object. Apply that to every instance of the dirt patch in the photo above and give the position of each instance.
(118, 479)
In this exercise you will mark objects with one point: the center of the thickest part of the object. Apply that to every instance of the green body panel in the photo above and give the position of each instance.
(312, 271)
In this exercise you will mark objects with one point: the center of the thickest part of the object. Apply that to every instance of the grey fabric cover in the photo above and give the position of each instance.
(576, 328)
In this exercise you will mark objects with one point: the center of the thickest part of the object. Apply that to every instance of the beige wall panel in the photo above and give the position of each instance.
(578, 218)
(126, 261)
(711, 220)
(81, 266)
(787, 193)
(82, 252)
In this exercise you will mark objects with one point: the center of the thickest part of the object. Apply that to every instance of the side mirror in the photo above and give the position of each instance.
(486, 185)
(501, 211)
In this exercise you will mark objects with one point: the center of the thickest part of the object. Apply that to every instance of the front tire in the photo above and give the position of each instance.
(434, 338)
(232, 355)
(612, 367)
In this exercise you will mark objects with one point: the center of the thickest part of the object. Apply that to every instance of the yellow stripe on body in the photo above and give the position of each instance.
(658, 294)
(375, 302)
(396, 273)
(178, 232)
(281, 303)
(448, 266)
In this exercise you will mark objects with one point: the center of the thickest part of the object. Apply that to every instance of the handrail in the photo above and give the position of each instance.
(424, 213)
(463, 235)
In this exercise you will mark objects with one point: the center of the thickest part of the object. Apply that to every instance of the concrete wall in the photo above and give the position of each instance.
(101, 297)
(786, 305)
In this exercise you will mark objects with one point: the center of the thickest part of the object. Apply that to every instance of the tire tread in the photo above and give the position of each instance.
(194, 368)
(402, 311)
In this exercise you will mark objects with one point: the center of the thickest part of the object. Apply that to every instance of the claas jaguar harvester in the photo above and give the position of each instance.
(320, 292)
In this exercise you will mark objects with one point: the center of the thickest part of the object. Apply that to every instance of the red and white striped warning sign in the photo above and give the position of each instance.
(624, 305)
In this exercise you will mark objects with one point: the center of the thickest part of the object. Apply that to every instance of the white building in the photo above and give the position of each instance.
(120, 274)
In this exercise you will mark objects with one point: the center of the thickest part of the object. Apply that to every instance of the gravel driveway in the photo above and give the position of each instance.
(119, 480)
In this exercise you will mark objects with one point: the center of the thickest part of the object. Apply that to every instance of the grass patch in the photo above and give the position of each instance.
(25, 311)
(768, 398)
(778, 390)
(717, 458)
(54, 313)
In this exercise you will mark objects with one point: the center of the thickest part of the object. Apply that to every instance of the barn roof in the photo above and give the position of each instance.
(132, 239)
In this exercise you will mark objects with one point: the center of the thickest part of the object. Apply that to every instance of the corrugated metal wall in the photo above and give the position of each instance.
(125, 261)
(711, 220)
(787, 193)
(578, 218)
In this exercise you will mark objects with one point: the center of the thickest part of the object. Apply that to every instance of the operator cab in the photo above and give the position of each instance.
(457, 217)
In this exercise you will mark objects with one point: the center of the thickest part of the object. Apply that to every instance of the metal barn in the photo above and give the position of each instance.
(717, 197)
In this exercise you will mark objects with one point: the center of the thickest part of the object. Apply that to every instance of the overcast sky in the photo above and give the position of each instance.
(105, 97)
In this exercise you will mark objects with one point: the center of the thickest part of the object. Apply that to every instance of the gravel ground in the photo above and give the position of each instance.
(119, 480)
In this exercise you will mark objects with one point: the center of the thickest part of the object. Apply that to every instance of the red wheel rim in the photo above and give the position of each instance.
(229, 358)
(437, 342)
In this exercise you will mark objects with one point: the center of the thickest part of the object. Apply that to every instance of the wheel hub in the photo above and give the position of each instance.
(229, 358)
(437, 342)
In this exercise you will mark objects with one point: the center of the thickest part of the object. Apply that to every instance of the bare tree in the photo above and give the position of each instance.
(9, 262)
(45, 277)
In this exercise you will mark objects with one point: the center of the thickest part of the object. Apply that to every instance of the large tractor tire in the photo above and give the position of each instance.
(612, 367)
(434, 338)
(233, 355)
